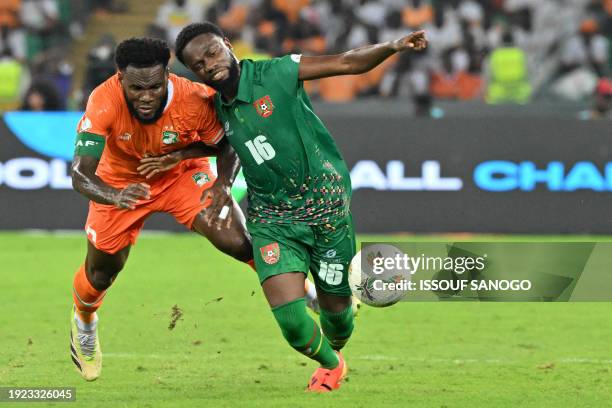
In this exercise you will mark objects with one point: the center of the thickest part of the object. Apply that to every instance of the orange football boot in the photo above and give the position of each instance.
(325, 379)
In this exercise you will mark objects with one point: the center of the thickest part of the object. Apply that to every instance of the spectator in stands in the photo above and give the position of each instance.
(231, 16)
(100, 63)
(9, 13)
(41, 21)
(454, 79)
(410, 74)
(334, 17)
(12, 78)
(304, 36)
(42, 96)
(11, 34)
(173, 15)
(270, 27)
(444, 32)
(508, 74)
(417, 13)
(53, 66)
(587, 49)
(603, 10)
(371, 16)
(584, 59)
(602, 102)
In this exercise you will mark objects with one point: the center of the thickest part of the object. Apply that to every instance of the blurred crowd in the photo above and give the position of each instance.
(35, 36)
(500, 51)
(478, 48)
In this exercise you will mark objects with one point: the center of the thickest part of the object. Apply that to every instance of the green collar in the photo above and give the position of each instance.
(245, 84)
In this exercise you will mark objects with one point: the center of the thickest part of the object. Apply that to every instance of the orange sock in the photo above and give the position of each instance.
(251, 263)
(87, 299)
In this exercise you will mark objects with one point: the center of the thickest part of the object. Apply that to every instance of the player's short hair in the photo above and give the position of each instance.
(142, 52)
(190, 32)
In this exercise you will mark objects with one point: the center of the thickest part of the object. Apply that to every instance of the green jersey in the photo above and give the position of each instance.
(293, 170)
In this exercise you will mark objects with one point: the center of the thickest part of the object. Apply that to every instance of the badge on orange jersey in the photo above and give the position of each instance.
(270, 253)
(170, 137)
(200, 178)
(264, 106)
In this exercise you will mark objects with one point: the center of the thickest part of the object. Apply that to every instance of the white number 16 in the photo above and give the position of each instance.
(260, 149)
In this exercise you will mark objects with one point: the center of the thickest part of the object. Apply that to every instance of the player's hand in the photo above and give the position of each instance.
(413, 41)
(150, 166)
(219, 212)
(131, 195)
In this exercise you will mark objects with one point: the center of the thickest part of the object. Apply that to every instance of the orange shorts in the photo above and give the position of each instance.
(111, 229)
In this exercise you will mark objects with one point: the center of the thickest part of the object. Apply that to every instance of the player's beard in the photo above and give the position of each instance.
(152, 119)
(225, 86)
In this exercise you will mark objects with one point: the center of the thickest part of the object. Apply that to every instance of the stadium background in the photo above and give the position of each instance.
(501, 127)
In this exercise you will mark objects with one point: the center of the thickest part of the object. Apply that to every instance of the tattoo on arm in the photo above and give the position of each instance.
(86, 182)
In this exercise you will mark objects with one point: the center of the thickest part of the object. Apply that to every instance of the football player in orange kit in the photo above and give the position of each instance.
(143, 111)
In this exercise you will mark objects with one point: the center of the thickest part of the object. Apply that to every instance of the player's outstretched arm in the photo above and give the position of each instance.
(86, 182)
(359, 60)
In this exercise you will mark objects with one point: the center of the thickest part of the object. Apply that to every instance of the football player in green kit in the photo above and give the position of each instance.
(299, 186)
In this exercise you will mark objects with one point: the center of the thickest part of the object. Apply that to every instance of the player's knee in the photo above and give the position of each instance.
(101, 278)
(341, 322)
(333, 304)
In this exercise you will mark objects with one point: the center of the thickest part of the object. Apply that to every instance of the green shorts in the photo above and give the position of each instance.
(326, 251)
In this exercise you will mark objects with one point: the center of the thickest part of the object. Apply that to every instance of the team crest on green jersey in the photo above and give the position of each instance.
(264, 106)
(170, 137)
(270, 253)
(200, 178)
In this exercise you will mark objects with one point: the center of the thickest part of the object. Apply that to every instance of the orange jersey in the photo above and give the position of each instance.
(189, 116)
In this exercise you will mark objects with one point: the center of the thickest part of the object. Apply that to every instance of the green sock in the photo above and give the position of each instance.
(337, 326)
(303, 334)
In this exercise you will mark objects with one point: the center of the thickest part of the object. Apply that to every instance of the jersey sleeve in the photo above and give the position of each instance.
(99, 114)
(209, 129)
(94, 127)
(285, 71)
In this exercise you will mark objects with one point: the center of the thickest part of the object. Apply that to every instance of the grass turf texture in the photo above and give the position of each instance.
(227, 351)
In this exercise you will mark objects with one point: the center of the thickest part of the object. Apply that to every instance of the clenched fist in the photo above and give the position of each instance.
(413, 41)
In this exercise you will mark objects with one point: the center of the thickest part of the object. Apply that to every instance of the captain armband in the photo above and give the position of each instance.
(89, 144)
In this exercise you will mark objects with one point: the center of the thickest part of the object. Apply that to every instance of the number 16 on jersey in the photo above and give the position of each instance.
(260, 149)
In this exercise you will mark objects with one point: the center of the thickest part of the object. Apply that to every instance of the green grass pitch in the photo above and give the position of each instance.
(227, 351)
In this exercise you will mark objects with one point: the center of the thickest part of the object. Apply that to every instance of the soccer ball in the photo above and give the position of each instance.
(372, 288)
